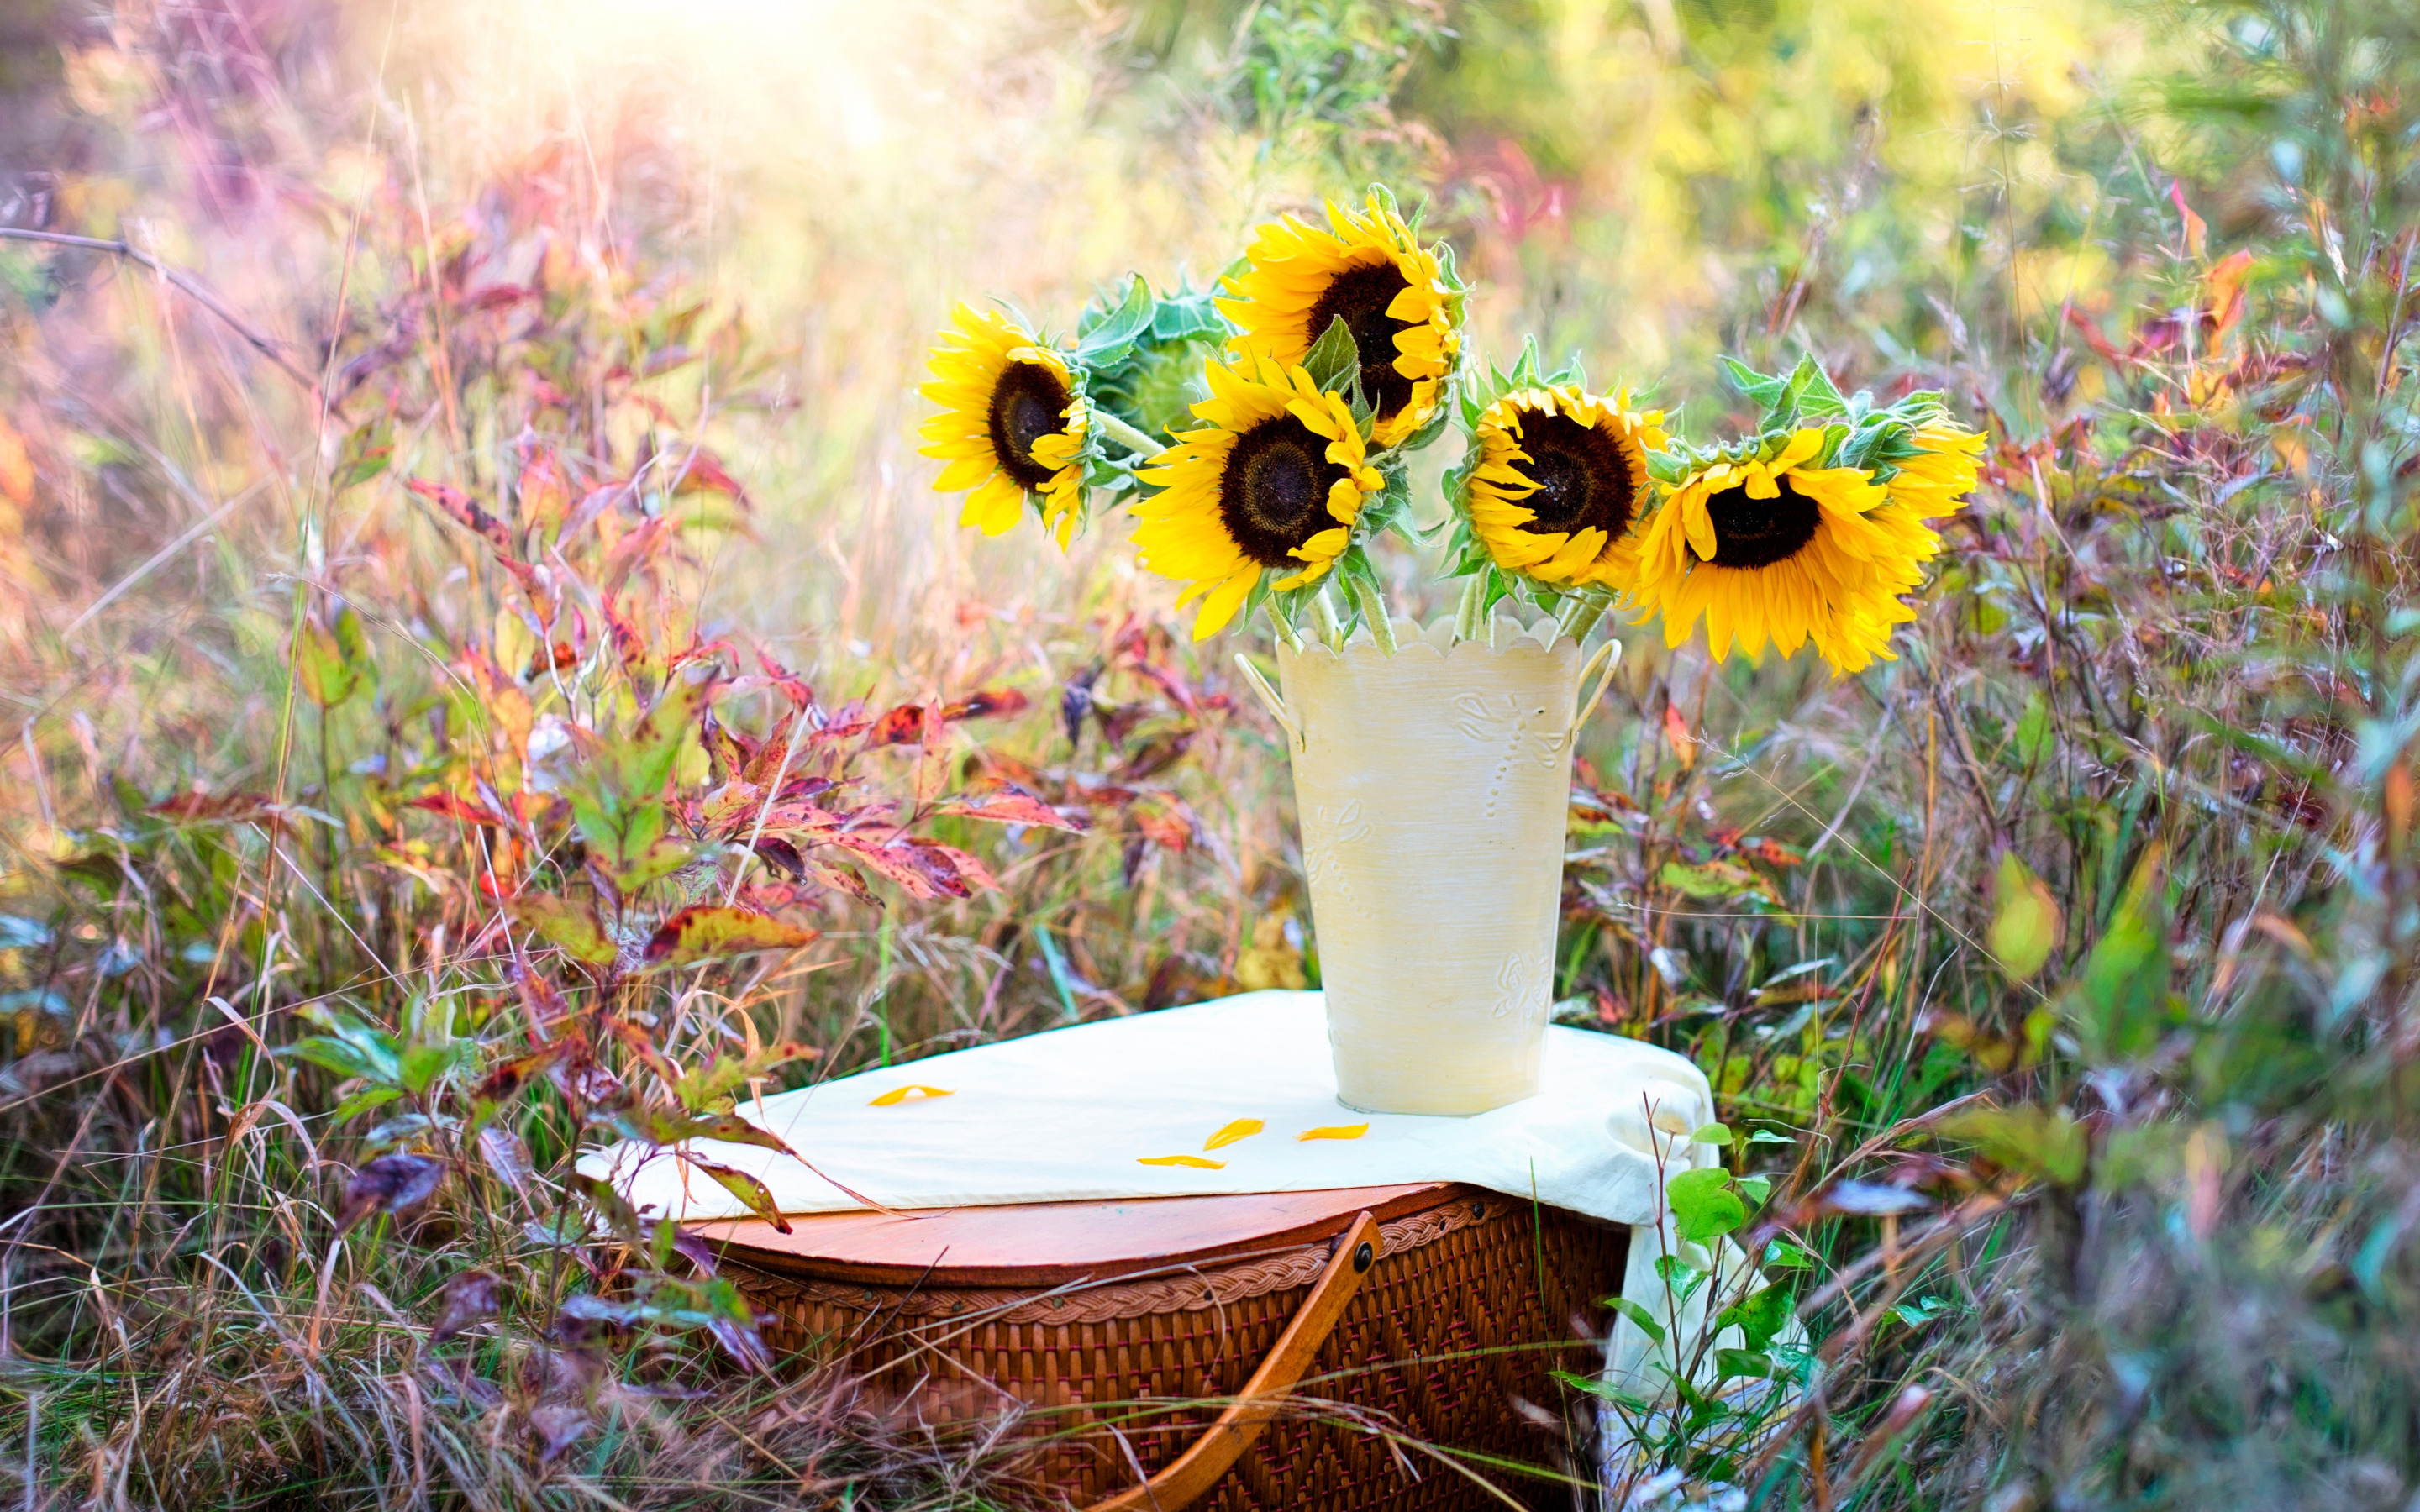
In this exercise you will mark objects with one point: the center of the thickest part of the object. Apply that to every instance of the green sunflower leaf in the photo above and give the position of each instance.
(1107, 336)
(1759, 388)
(1190, 315)
(1335, 357)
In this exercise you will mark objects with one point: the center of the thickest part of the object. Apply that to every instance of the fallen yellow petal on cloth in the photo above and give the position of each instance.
(1181, 1160)
(1240, 1128)
(897, 1095)
(1334, 1130)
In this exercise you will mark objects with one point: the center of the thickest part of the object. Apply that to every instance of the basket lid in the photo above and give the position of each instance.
(1048, 1243)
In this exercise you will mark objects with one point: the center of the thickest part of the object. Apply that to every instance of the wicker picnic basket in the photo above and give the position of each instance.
(1245, 1353)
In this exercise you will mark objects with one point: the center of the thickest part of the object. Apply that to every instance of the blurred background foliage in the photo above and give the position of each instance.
(2065, 962)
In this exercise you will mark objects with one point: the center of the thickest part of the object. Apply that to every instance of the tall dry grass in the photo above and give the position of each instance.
(2127, 1228)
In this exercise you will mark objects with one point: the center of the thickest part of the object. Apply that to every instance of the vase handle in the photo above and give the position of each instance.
(1270, 700)
(1607, 658)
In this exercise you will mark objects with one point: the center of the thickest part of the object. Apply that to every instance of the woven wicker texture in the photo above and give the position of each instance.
(1449, 1329)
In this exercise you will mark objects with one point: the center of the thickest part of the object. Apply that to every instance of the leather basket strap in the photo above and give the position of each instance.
(1239, 1426)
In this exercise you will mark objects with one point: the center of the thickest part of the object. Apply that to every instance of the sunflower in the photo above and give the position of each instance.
(1369, 271)
(1560, 477)
(1776, 548)
(1275, 480)
(1937, 480)
(1014, 421)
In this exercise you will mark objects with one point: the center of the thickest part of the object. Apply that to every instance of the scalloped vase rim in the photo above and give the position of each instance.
(1544, 637)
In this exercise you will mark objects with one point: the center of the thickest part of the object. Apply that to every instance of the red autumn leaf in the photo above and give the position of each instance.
(990, 703)
(780, 855)
(569, 925)
(500, 1085)
(545, 1004)
(194, 808)
(542, 495)
(907, 722)
(1775, 854)
(1165, 822)
(767, 897)
(1007, 804)
(631, 552)
(456, 807)
(1676, 731)
(498, 296)
(769, 759)
(969, 872)
(842, 880)
(636, 1038)
(665, 358)
(552, 659)
(469, 1297)
(927, 869)
(1178, 692)
(389, 1184)
(708, 930)
(458, 507)
(703, 473)
(1155, 755)
(727, 752)
(898, 863)
(754, 1193)
(793, 687)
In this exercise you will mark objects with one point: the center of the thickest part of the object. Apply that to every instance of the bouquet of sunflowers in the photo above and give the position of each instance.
(1260, 435)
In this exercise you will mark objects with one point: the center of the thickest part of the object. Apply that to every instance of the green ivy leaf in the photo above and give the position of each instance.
(1704, 1207)
(2038, 1141)
(1752, 1364)
(1638, 1313)
(368, 450)
(2026, 924)
(422, 1064)
(351, 1047)
(1759, 1316)
(1781, 1254)
(2120, 1004)
(328, 678)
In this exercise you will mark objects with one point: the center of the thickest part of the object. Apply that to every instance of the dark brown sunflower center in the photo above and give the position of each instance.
(1026, 405)
(1583, 477)
(1273, 494)
(1758, 533)
(1359, 297)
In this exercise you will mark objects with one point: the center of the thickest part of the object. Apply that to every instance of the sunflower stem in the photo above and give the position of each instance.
(1373, 601)
(1331, 629)
(1139, 442)
(1472, 604)
(1578, 616)
(1286, 632)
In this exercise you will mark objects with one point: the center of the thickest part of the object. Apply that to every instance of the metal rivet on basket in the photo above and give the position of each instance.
(1362, 1256)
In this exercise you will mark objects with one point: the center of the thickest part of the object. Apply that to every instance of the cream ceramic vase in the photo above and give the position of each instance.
(1431, 788)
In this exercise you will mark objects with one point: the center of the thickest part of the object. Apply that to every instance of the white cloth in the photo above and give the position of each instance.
(1068, 1115)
